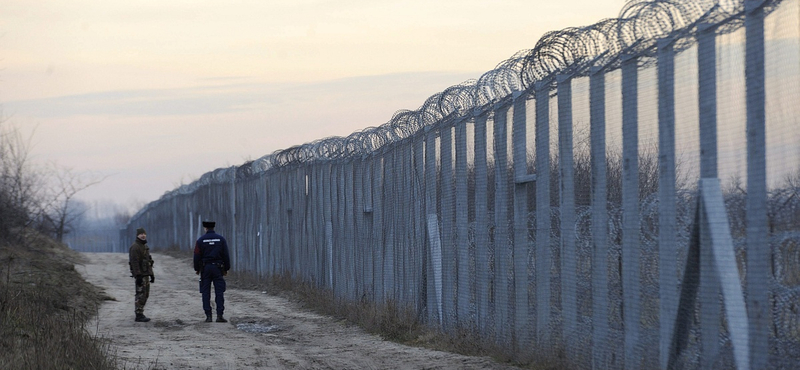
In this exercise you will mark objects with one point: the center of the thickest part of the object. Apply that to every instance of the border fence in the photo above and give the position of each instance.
(622, 196)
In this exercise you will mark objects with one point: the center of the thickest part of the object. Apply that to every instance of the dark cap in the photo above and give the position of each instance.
(209, 224)
(140, 231)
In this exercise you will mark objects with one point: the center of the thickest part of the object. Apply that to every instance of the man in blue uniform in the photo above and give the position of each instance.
(212, 262)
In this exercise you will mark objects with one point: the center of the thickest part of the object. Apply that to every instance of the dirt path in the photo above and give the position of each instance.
(264, 332)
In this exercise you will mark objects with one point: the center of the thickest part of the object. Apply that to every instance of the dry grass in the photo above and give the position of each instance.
(44, 305)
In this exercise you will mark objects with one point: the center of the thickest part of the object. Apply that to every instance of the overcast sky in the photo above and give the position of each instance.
(153, 94)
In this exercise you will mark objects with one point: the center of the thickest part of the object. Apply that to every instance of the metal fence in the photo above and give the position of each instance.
(623, 195)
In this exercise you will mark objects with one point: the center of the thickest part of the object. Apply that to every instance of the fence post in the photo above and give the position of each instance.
(312, 224)
(707, 98)
(280, 220)
(631, 228)
(298, 219)
(378, 211)
(501, 219)
(448, 223)
(758, 249)
(309, 200)
(481, 224)
(286, 217)
(707, 103)
(599, 217)
(334, 220)
(192, 235)
(406, 250)
(709, 282)
(434, 267)
(175, 215)
(326, 258)
(569, 283)
(401, 248)
(390, 219)
(419, 223)
(462, 224)
(296, 234)
(360, 227)
(520, 252)
(369, 226)
(291, 218)
(272, 221)
(343, 229)
(349, 246)
(668, 266)
(543, 249)
(234, 252)
(262, 221)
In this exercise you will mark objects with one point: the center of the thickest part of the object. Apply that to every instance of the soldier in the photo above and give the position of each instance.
(211, 262)
(141, 264)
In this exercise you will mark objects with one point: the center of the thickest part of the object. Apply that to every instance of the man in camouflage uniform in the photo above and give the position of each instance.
(141, 264)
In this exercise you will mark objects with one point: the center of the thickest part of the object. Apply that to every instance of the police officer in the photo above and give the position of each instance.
(141, 264)
(212, 262)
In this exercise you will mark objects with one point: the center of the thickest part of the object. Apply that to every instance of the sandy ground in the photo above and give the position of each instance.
(264, 332)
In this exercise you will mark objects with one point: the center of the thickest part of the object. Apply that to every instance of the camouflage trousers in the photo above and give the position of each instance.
(142, 292)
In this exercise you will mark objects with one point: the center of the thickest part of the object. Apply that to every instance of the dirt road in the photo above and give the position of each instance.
(264, 332)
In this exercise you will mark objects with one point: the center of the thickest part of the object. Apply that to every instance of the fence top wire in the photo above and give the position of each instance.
(573, 51)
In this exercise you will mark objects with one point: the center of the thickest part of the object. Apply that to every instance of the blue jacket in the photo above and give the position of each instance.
(211, 248)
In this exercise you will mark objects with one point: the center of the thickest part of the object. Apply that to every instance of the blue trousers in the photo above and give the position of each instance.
(212, 274)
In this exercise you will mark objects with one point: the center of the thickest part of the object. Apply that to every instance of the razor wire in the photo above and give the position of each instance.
(572, 50)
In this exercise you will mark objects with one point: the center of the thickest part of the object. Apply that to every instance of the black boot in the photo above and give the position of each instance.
(140, 317)
(208, 318)
(220, 318)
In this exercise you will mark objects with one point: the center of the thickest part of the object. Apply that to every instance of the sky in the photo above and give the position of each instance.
(149, 95)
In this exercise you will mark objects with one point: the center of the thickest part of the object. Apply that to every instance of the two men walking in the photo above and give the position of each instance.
(211, 262)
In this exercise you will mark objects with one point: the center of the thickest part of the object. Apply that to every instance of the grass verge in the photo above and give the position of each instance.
(44, 306)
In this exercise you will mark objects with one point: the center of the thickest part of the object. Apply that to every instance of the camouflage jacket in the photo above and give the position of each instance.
(139, 259)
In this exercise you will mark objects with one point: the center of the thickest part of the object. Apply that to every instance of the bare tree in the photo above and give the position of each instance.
(20, 183)
(62, 211)
(33, 196)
